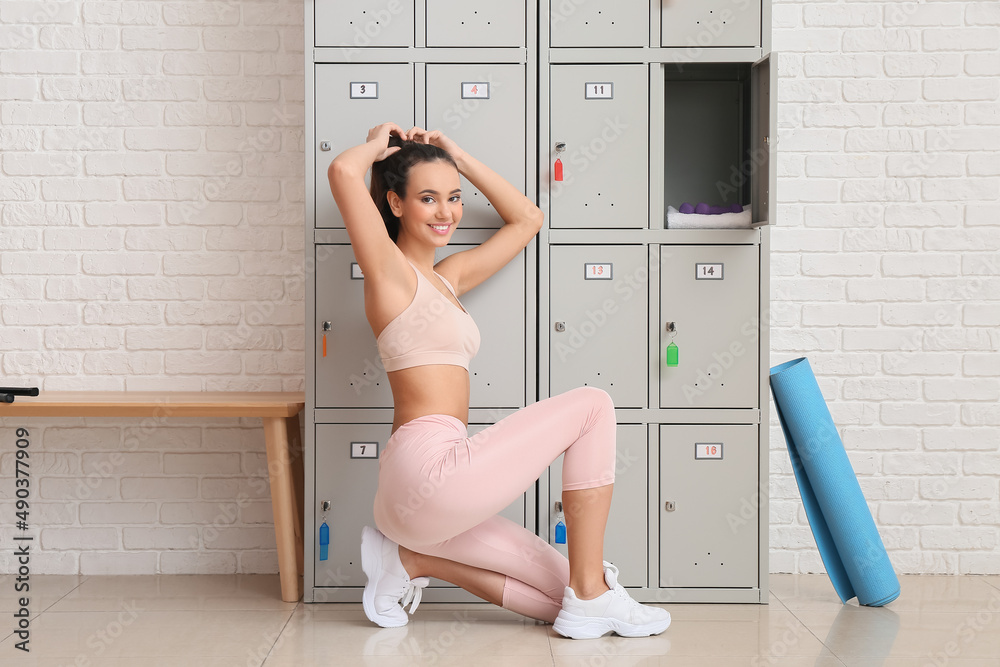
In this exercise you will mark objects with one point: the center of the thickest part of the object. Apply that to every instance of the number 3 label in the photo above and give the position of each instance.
(367, 90)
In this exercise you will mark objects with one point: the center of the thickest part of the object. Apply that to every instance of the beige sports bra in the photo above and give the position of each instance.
(431, 330)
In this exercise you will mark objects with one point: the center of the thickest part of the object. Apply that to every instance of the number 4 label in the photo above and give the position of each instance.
(364, 450)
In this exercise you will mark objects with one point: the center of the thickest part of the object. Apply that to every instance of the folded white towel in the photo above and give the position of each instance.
(678, 220)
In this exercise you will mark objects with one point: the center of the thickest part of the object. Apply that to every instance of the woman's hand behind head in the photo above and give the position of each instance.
(381, 135)
(435, 138)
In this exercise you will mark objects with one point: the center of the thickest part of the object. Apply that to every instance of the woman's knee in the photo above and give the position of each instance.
(599, 399)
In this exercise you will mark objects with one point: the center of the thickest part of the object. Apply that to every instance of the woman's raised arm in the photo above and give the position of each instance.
(372, 246)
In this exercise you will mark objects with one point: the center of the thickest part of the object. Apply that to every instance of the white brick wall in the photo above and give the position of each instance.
(888, 239)
(151, 186)
(150, 205)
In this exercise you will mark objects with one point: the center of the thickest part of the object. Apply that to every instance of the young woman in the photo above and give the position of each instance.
(439, 489)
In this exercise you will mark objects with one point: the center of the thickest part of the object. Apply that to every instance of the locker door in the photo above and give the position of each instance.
(350, 100)
(475, 23)
(710, 294)
(597, 333)
(351, 374)
(349, 484)
(599, 23)
(361, 23)
(627, 535)
(496, 374)
(470, 103)
(764, 138)
(708, 506)
(600, 112)
(710, 23)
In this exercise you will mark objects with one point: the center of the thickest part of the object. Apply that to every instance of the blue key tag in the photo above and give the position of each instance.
(324, 541)
(560, 533)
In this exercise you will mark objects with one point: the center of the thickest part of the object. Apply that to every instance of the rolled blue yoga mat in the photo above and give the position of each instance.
(845, 532)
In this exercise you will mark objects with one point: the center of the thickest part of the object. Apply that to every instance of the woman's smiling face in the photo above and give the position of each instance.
(432, 207)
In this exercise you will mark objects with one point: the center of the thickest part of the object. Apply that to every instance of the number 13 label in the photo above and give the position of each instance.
(597, 271)
(601, 90)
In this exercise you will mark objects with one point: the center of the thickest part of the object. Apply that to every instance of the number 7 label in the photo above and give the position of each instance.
(364, 450)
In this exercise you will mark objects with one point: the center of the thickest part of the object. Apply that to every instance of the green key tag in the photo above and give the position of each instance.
(671, 354)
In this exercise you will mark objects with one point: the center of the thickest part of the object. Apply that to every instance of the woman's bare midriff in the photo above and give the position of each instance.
(429, 390)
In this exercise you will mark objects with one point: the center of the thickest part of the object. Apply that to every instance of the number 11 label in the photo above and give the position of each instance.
(601, 90)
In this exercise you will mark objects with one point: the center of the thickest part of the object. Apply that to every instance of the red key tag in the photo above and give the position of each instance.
(558, 170)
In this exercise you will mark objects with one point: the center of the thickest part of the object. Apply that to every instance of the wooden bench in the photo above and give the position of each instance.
(278, 410)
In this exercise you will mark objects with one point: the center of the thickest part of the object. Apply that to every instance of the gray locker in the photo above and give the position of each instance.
(496, 374)
(710, 23)
(349, 485)
(626, 539)
(471, 104)
(362, 23)
(599, 23)
(710, 294)
(351, 374)
(600, 113)
(346, 474)
(709, 505)
(475, 23)
(350, 100)
(598, 311)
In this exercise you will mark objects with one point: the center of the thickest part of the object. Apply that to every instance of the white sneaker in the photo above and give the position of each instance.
(613, 611)
(387, 581)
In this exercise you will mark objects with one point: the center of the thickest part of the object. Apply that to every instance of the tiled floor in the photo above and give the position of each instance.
(239, 620)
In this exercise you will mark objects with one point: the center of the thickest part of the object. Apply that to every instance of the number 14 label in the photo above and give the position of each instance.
(708, 271)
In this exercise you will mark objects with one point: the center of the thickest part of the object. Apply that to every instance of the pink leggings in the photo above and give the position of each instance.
(439, 490)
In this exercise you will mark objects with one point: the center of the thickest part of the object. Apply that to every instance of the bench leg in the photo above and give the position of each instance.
(280, 470)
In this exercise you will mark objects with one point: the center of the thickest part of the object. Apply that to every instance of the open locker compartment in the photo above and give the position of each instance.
(719, 121)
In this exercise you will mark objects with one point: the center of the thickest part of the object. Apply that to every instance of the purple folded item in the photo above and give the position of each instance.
(704, 209)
